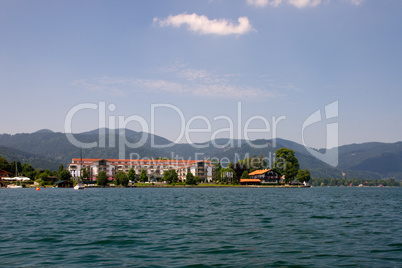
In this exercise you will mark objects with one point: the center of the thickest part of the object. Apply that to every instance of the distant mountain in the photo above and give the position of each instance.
(376, 159)
(48, 149)
(44, 131)
(37, 161)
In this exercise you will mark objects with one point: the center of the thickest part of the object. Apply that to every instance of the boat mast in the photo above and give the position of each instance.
(81, 171)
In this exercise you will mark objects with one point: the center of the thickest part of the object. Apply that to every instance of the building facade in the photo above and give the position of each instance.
(154, 168)
(266, 176)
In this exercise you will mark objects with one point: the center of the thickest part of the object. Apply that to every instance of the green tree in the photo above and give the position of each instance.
(84, 173)
(131, 174)
(14, 164)
(217, 164)
(28, 171)
(170, 176)
(143, 176)
(175, 176)
(217, 167)
(251, 164)
(43, 175)
(286, 163)
(303, 175)
(102, 179)
(64, 175)
(198, 179)
(61, 168)
(245, 175)
(166, 176)
(190, 179)
(4, 165)
(121, 178)
(228, 176)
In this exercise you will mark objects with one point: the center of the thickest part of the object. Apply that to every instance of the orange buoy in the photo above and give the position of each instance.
(37, 189)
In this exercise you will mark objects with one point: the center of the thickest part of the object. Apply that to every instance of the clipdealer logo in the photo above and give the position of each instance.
(236, 128)
(330, 156)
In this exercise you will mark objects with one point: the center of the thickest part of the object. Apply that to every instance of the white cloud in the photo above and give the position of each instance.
(102, 85)
(356, 2)
(203, 25)
(258, 3)
(263, 3)
(275, 3)
(304, 3)
(296, 3)
(181, 81)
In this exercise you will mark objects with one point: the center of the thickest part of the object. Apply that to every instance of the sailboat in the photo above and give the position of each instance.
(15, 186)
(80, 185)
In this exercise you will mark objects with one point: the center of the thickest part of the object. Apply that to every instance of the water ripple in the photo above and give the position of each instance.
(197, 227)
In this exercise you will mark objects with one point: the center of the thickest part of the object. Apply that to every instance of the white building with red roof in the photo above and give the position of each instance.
(153, 167)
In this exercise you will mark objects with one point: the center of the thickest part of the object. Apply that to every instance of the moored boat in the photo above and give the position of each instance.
(79, 186)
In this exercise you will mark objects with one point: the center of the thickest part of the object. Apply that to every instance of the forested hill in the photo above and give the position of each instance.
(47, 149)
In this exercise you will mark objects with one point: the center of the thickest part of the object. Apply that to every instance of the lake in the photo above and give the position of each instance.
(227, 227)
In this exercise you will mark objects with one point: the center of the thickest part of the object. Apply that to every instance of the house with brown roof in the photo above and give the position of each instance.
(4, 173)
(262, 176)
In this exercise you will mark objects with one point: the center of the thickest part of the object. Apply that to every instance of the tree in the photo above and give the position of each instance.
(28, 171)
(190, 179)
(13, 165)
(43, 175)
(85, 173)
(4, 165)
(303, 175)
(286, 163)
(64, 175)
(143, 176)
(170, 176)
(61, 168)
(216, 169)
(102, 179)
(228, 175)
(121, 178)
(166, 176)
(131, 175)
(245, 175)
(217, 164)
(251, 164)
(175, 176)
(198, 179)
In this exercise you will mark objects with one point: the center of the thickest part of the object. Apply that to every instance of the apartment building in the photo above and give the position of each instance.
(153, 167)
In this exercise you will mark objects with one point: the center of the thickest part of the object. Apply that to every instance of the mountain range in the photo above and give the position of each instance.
(47, 150)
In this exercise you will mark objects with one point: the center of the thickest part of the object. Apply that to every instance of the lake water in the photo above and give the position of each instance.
(228, 227)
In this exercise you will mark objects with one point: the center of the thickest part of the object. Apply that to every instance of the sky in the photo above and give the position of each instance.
(318, 72)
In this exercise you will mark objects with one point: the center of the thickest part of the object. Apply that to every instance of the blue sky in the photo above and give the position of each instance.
(274, 59)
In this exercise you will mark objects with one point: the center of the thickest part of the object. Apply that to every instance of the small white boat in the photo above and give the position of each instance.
(79, 186)
(14, 186)
(20, 179)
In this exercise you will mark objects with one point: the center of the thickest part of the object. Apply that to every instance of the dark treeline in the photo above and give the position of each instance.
(353, 182)
(43, 177)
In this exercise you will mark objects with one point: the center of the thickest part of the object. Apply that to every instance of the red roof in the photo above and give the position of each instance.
(259, 172)
(250, 180)
(143, 161)
(3, 172)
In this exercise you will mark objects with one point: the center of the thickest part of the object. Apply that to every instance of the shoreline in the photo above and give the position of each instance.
(179, 186)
